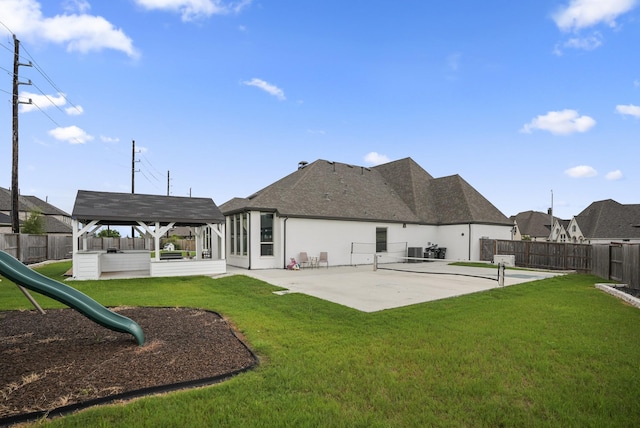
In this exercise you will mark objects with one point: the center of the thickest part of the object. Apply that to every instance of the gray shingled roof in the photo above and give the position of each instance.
(5, 220)
(399, 191)
(533, 223)
(53, 225)
(412, 184)
(456, 202)
(27, 203)
(128, 208)
(326, 189)
(609, 219)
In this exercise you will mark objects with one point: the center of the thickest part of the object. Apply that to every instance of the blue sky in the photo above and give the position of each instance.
(522, 99)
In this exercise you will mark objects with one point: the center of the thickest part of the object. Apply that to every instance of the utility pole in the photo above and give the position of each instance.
(551, 217)
(133, 166)
(168, 183)
(15, 219)
(133, 176)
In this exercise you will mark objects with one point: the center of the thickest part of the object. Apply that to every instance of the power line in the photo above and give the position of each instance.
(153, 175)
(49, 98)
(9, 72)
(152, 183)
(40, 70)
(43, 112)
(48, 79)
(8, 29)
(33, 63)
(151, 165)
(6, 47)
(51, 119)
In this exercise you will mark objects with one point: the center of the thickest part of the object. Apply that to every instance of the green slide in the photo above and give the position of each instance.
(13, 269)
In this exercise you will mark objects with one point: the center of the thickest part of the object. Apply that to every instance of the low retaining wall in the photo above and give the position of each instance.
(187, 267)
(611, 289)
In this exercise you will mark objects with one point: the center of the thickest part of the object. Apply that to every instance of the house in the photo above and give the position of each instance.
(604, 222)
(559, 230)
(536, 226)
(5, 223)
(353, 213)
(56, 221)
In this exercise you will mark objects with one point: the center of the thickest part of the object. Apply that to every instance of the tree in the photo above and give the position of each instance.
(108, 233)
(34, 224)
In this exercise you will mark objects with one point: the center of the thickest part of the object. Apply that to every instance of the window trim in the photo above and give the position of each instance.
(265, 242)
(381, 246)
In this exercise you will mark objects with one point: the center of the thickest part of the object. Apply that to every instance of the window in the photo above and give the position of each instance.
(238, 234)
(573, 228)
(232, 235)
(245, 221)
(381, 239)
(266, 234)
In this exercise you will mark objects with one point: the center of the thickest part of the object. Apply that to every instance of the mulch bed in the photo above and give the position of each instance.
(630, 291)
(62, 361)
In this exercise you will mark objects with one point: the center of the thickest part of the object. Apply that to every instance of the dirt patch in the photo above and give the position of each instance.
(62, 359)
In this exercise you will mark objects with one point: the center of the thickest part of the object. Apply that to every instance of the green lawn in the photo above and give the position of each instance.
(556, 352)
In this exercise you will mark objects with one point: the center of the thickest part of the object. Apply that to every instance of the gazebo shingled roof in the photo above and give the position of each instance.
(125, 209)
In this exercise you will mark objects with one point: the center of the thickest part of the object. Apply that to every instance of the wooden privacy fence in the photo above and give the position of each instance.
(94, 243)
(616, 261)
(38, 248)
(540, 255)
(619, 262)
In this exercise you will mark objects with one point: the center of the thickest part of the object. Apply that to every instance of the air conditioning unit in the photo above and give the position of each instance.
(507, 260)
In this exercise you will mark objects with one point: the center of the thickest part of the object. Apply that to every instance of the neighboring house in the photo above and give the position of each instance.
(536, 226)
(353, 212)
(560, 228)
(5, 223)
(56, 221)
(604, 222)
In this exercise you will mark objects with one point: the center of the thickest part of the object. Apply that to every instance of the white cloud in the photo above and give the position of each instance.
(588, 43)
(81, 6)
(562, 122)
(106, 139)
(453, 61)
(267, 87)
(579, 14)
(375, 158)
(614, 175)
(195, 9)
(581, 171)
(78, 31)
(71, 134)
(39, 101)
(30, 102)
(630, 110)
(74, 110)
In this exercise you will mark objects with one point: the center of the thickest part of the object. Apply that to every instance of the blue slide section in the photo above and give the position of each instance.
(13, 269)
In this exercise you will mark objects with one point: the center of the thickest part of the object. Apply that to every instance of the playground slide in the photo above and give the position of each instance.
(13, 269)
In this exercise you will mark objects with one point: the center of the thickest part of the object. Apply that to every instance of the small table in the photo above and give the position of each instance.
(313, 261)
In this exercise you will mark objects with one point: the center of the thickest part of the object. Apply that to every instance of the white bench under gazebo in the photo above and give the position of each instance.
(152, 216)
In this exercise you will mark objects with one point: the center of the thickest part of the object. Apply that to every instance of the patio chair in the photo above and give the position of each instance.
(324, 258)
(303, 261)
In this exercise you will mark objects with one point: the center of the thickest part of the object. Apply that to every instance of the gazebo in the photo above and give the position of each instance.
(150, 215)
